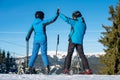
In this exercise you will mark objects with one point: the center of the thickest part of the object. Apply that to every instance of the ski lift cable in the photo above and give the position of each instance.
(12, 43)
(8, 42)
(14, 54)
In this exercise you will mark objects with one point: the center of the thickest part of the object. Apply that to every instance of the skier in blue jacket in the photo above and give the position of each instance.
(40, 38)
(78, 28)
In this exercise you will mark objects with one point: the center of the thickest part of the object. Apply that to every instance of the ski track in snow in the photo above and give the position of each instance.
(57, 77)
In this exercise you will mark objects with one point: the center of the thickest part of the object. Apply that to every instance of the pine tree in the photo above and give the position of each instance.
(8, 61)
(3, 56)
(111, 42)
(0, 56)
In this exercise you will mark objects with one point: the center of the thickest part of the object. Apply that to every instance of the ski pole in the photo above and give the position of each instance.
(54, 70)
(57, 43)
(27, 52)
(57, 46)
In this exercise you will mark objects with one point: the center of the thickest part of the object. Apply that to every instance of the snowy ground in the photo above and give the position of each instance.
(57, 77)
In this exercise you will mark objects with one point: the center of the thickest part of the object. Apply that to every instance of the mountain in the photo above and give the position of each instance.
(93, 59)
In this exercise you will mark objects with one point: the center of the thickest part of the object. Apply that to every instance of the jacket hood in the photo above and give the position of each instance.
(37, 20)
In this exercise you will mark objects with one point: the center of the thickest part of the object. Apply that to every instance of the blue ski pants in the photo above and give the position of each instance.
(36, 46)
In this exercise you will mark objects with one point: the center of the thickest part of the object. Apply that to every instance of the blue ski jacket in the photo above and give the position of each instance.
(39, 28)
(78, 28)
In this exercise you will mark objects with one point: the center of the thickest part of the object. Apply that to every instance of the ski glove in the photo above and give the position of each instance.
(58, 11)
(27, 39)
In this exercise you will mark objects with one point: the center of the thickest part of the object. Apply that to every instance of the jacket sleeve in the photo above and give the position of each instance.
(67, 19)
(29, 33)
(49, 21)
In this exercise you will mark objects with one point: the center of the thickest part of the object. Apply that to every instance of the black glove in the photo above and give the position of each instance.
(58, 11)
(27, 38)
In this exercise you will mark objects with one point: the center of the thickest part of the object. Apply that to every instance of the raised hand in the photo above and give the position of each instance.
(58, 11)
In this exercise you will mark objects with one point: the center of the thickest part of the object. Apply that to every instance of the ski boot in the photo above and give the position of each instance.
(87, 71)
(47, 70)
(30, 70)
(66, 71)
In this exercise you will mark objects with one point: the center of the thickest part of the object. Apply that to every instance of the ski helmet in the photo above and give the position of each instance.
(77, 14)
(39, 14)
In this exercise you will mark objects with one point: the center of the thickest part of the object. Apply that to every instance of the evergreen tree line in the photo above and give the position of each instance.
(7, 63)
(111, 42)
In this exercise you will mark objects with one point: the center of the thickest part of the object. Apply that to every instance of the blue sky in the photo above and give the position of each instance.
(16, 17)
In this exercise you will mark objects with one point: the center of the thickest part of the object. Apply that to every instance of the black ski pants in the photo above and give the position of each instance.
(79, 49)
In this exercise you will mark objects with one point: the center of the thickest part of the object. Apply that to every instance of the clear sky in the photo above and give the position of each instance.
(16, 17)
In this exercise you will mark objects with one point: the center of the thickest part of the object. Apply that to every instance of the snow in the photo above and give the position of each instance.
(57, 77)
(60, 54)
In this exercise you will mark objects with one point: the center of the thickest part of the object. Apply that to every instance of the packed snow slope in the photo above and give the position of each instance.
(57, 77)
